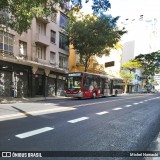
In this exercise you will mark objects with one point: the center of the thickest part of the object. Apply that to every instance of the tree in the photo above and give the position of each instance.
(127, 77)
(20, 13)
(150, 64)
(130, 66)
(93, 35)
(97, 7)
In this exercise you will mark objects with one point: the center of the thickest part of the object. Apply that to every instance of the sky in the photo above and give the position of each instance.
(130, 8)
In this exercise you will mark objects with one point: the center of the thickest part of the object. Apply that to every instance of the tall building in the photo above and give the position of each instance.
(35, 63)
(142, 38)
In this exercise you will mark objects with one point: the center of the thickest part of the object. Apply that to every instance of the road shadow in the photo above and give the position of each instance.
(22, 111)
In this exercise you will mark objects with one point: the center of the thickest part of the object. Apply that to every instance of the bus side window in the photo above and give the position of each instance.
(86, 83)
(66, 85)
(106, 85)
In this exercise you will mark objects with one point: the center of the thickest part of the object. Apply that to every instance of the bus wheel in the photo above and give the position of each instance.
(94, 95)
(116, 93)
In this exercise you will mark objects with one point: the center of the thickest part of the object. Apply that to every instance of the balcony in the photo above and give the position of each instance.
(42, 61)
(4, 53)
(42, 39)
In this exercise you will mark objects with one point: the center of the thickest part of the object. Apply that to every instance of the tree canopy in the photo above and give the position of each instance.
(127, 71)
(18, 14)
(127, 78)
(132, 65)
(150, 63)
(94, 35)
(97, 7)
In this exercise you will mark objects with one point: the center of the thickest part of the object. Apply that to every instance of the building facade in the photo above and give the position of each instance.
(109, 65)
(142, 38)
(36, 62)
(75, 64)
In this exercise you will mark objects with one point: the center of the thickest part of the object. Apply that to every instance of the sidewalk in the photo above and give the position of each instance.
(9, 100)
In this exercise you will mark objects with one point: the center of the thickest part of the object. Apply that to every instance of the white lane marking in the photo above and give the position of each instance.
(128, 105)
(34, 132)
(101, 113)
(141, 102)
(135, 103)
(115, 109)
(145, 100)
(78, 119)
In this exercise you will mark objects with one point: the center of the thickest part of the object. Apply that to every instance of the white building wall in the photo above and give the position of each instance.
(143, 37)
(115, 55)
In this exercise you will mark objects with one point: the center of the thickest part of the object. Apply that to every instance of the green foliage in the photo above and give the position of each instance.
(131, 65)
(20, 13)
(127, 78)
(150, 63)
(93, 35)
(97, 7)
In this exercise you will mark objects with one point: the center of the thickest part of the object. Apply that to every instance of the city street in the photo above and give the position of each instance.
(123, 123)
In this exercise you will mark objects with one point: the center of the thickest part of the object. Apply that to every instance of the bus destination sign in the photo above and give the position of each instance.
(74, 74)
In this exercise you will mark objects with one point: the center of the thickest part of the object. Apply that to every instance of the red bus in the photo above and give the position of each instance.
(89, 85)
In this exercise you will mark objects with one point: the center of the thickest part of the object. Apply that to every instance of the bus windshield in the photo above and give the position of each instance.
(74, 82)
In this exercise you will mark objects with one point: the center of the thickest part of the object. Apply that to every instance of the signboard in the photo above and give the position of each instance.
(74, 74)
(109, 64)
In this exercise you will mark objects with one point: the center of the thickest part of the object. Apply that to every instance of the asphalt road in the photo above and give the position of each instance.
(124, 123)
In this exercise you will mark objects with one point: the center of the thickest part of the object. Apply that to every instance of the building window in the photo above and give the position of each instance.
(6, 42)
(41, 28)
(52, 57)
(41, 52)
(54, 17)
(53, 36)
(63, 61)
(63, 20)
(63, 42)
(22, 48)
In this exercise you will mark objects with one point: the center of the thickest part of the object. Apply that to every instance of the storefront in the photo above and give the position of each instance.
(17, 80)
(14, 80)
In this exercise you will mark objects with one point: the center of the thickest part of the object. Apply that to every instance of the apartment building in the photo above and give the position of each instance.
(36, 62)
